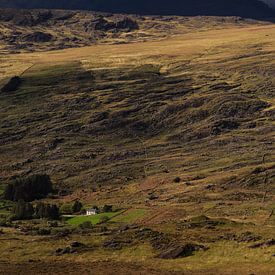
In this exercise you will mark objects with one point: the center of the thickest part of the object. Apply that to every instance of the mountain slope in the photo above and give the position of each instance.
(36, 30)
(244, 8)
(200, 106)
(175, 132)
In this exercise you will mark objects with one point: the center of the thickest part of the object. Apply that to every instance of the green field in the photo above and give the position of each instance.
(130, 216)
(95, 219)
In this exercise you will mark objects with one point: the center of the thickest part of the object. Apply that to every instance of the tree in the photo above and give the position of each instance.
(23, 210)
(53, 212)
(107, 208)
(47, 211)
(40, 210)
(77, 206)
(8, 192)
(66, 209)
(29, 188)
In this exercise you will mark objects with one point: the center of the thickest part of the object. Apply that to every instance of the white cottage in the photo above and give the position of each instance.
(91, 211)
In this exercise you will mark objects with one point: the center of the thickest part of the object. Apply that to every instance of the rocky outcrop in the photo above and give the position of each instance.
(38, 37)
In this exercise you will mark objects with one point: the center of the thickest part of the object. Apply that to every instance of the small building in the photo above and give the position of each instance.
(91, 211)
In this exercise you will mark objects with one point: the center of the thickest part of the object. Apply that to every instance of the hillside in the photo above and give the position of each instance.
(244, 8)
(36, 30)
(168, 119)
(117, 117)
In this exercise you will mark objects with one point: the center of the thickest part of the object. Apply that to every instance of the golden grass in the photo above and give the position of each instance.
(239, 56)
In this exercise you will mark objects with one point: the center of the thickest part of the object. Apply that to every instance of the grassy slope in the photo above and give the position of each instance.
(93, 219)
(143, 116)
(121, 113)
(77, 29)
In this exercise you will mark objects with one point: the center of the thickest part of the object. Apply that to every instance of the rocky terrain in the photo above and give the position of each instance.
(117, 116)
(245, 8)
(36, 30)
(168, 119)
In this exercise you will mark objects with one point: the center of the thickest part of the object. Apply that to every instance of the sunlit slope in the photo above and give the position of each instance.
(199, 105)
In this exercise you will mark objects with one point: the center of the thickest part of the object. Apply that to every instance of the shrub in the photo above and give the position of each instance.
(107, 208)
(77, 206)
(86, 225)
(28, 189)
(177, 180)
(66, 209)
(53, 224)
(152, 197)
(4, 223)
(83, 211)
(61, 232)
(44, 231)
(47, 211)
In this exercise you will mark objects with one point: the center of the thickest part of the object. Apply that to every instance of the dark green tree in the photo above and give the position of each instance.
(107, 208)
(53, 212)
(77, 206)
(29, 188)
(23, 210)
(66, 209)
(47, 211)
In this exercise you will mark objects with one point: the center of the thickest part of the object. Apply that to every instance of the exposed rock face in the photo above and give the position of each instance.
(39, 37)
(124, 24)
(74, 247)
(181, 251)
(26, 18)
(244, 8)
(263, 244)
(30, 29)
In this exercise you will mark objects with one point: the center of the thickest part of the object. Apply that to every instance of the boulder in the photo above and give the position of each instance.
(125, 24)
(181, 251)
(39, 37)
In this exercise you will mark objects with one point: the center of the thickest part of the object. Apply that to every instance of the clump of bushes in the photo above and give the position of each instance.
(5, 222)
(77, 206)
(44, 231)
(68, 208)
(22, 210)
(29, 188)
(47, 211)
(86, 225)
(177, 180)
(25, 210)
(62, 232)
(107, 208)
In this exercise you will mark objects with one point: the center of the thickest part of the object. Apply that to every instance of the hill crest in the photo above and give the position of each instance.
(244, 8)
